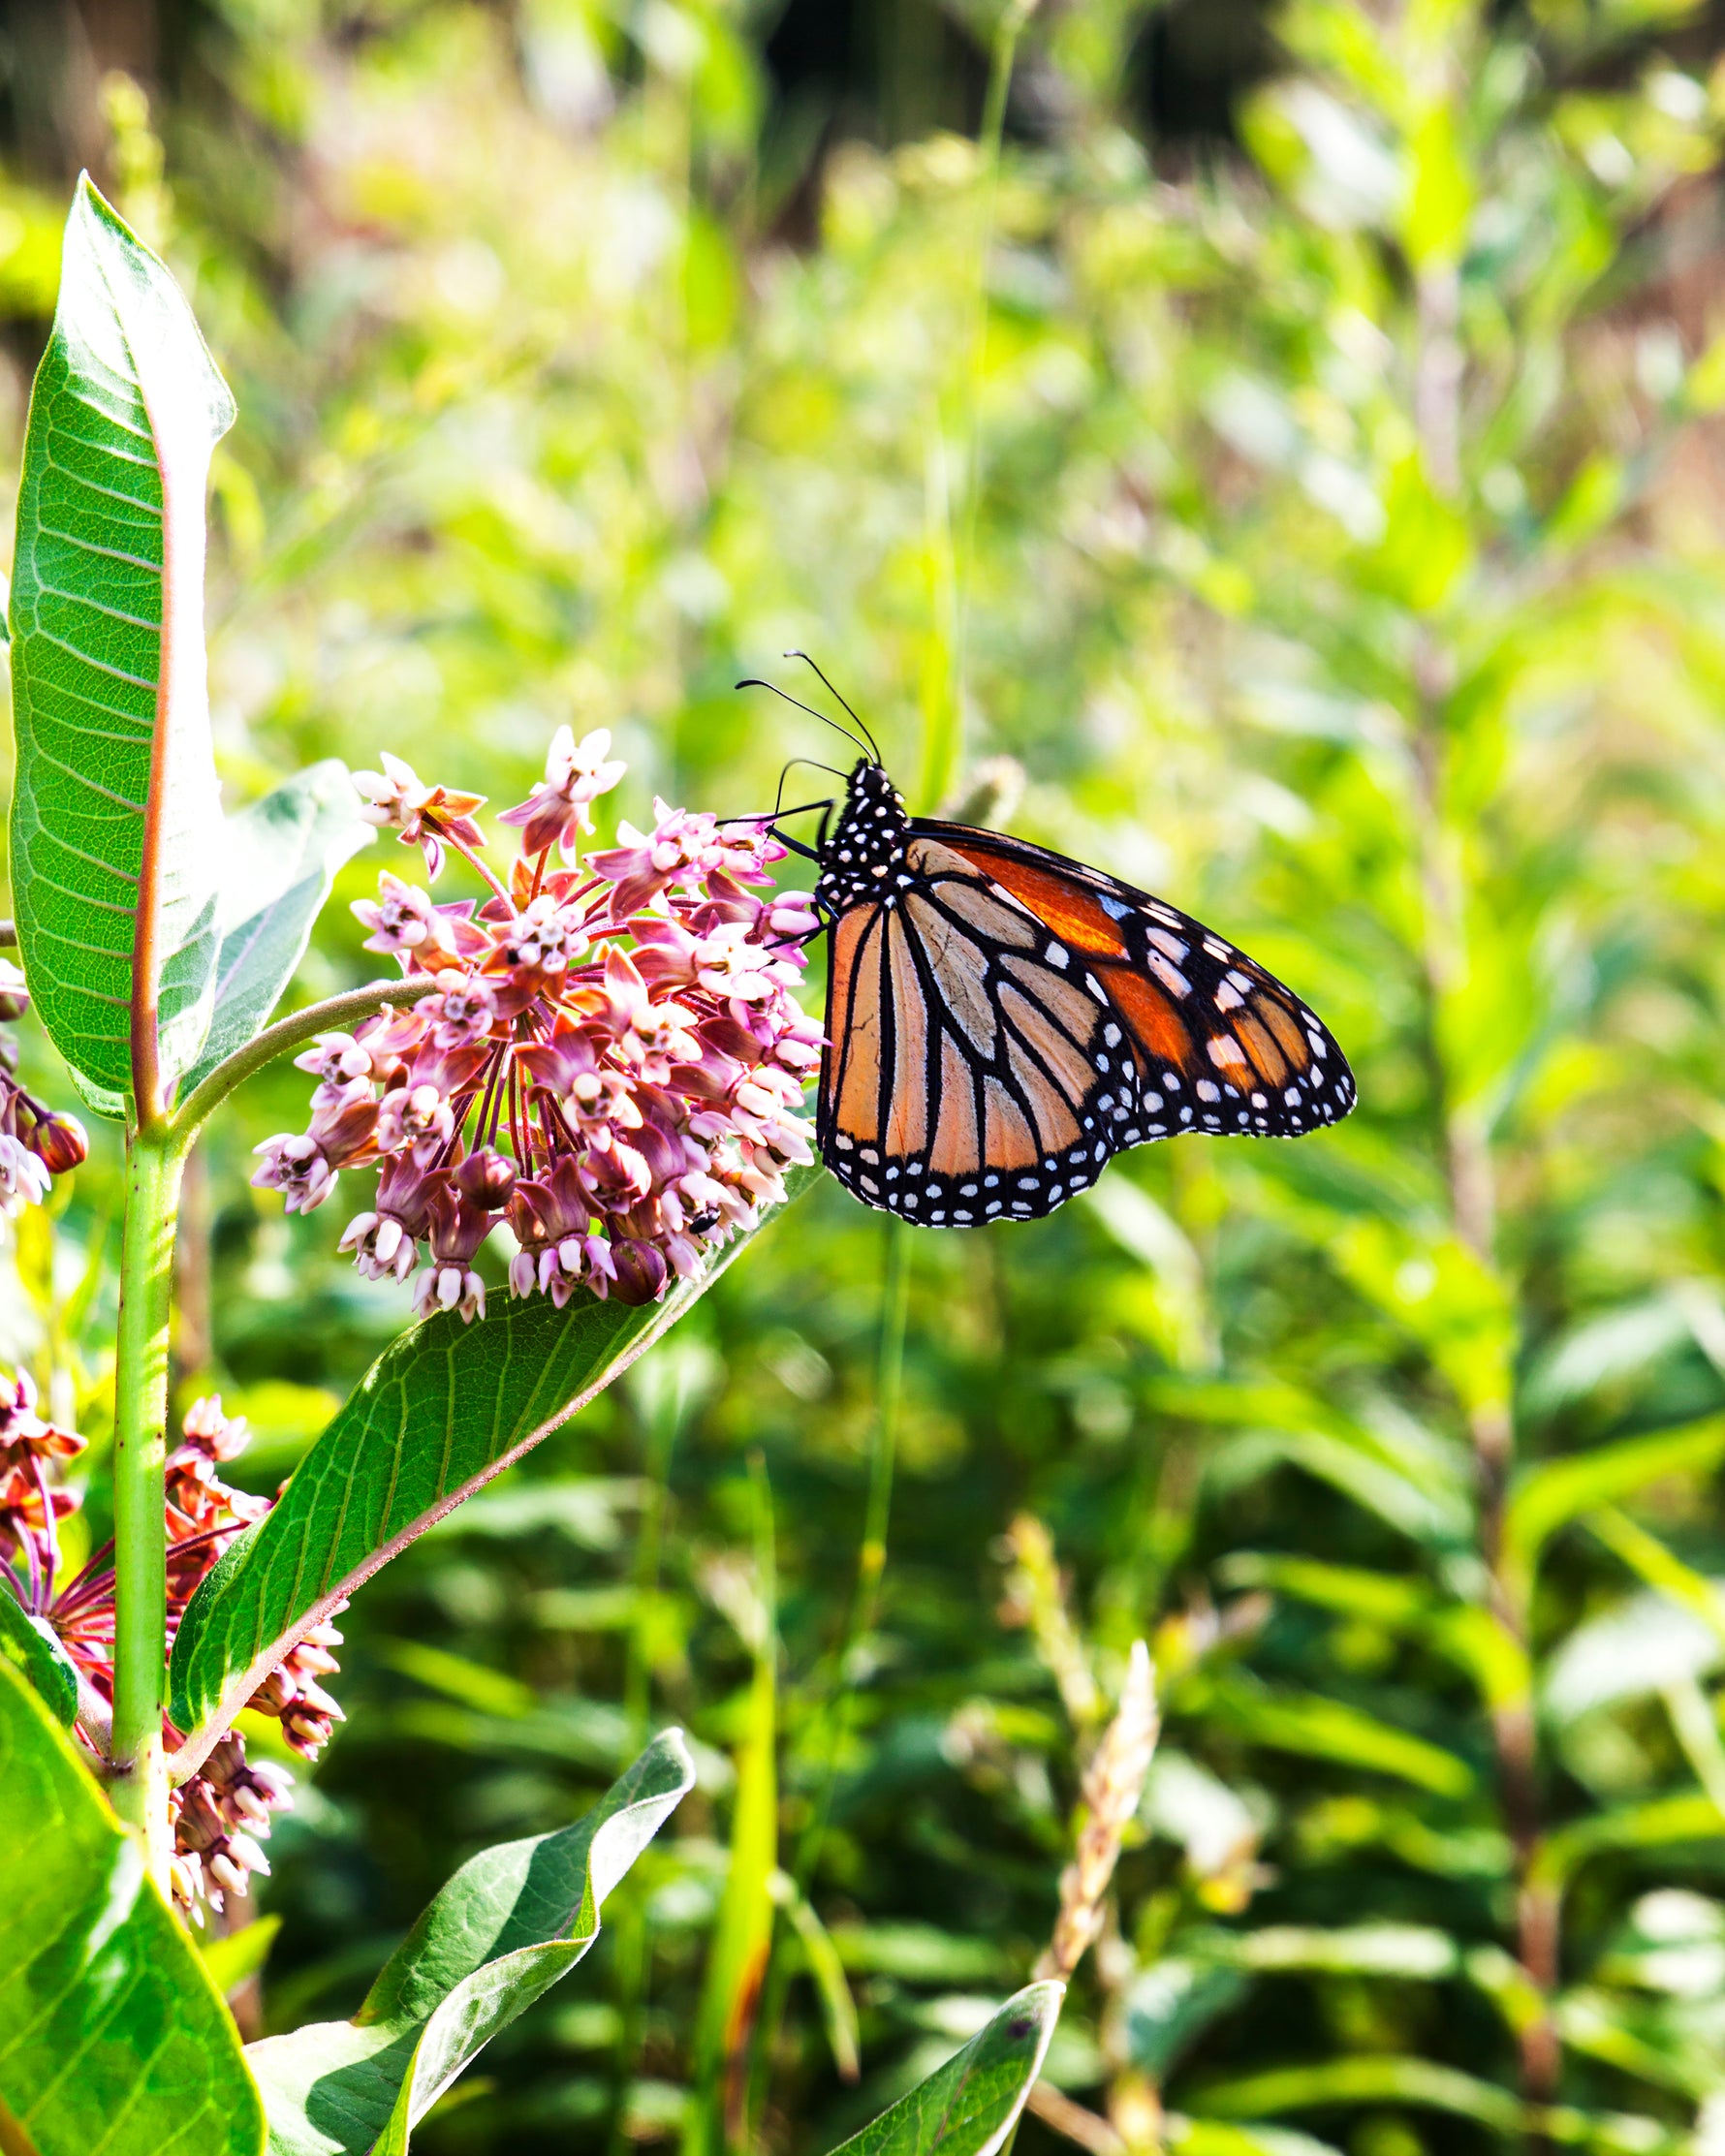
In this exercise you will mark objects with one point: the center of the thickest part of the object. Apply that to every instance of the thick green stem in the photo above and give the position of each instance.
(155, 1161)
(334, 1015)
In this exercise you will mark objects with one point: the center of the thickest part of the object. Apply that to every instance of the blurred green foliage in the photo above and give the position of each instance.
(1333, 535)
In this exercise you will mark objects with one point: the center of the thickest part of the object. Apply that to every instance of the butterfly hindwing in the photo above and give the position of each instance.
(976, 1073)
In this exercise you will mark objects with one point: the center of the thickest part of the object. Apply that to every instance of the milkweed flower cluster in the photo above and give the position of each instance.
(221, 1814)
(608, 1059)
(36, 1145)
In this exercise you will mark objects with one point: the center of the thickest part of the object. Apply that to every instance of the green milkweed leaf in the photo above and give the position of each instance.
(1652, 1826)
(237, 1957)
(1362, 2080)
(116, 815)
(968, 2107)
(30, 1646)
(509, 1924)
(282, 857)
(113, 2038)
(1315, 1727)
(442, 1411)
(1548, 1496)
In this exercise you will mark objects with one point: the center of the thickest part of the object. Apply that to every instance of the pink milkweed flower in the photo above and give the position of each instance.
(335, 1060)
(382, 1249)
(343, 1122)
(575, 773)
(403, 919)
(733, 965)
(543, 938)
(418, 1119)
(423, 814)
(295, 1165)
(609, 1059)
(23, 1178)
(459, 1226)
(683, 848)
(463, 1012)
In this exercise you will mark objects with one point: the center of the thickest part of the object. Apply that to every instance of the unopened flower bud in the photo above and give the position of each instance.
(226, 1873)
(250, 1806)
(641, 1270)
(486, 1178)
(246, 1852)
(15, 997)
(60, 1143)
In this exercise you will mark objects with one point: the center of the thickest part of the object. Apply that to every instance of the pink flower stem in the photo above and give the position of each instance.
(51, 1541)
(488, 1107)
(523, 1150)
(484, 866)
(33, 1560)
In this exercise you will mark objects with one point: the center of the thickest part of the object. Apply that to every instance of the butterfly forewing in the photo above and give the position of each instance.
(1222, 1044)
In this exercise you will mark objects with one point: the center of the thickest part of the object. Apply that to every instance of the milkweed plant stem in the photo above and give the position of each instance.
(154, 1165)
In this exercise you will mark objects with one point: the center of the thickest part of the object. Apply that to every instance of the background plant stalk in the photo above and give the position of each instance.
(1470, 1184)
(155, 1164)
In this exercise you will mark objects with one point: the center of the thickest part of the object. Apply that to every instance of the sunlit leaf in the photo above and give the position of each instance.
(1364, 2078)
(231, 1958)
(970, 2105)
(1316, 1727)
(282, 857)
(111, 2036)
(509, 1924)
(107, 661)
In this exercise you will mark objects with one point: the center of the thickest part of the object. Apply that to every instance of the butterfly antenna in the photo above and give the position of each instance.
(868, 747)
(833, 692)
(778, 798)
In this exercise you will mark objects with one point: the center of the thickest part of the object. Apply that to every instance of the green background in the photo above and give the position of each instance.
(590, 357)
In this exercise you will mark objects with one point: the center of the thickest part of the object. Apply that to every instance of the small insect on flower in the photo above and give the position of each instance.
(608, 1061)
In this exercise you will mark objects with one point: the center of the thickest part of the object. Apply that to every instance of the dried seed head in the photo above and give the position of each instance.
(1112, 1785)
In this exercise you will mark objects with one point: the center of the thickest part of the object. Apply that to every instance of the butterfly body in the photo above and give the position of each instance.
(1002, 1020)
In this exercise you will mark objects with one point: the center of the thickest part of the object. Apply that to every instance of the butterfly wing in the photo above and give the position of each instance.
(1221, 1045)
(977, 1070)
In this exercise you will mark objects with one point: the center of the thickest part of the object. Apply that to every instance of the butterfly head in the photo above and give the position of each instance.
(865, 851)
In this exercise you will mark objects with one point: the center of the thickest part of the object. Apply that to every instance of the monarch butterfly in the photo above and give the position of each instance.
(1001, 1020)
